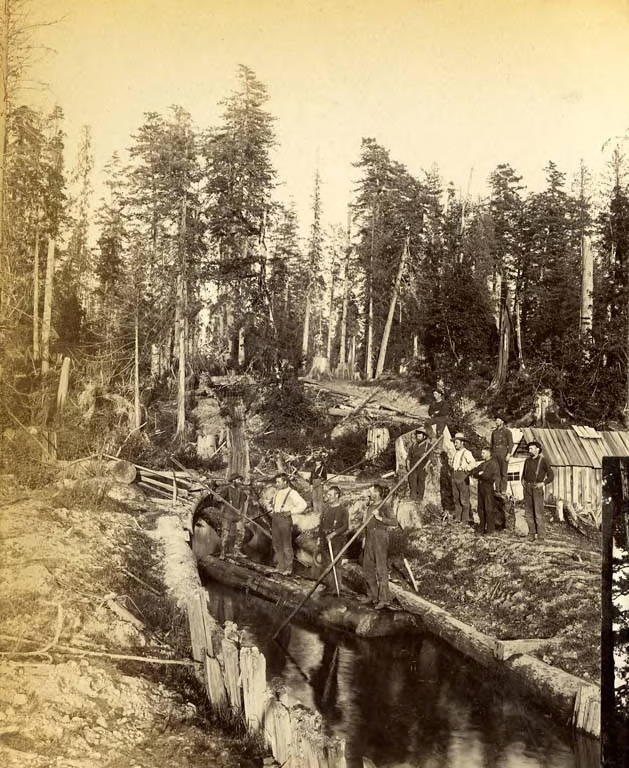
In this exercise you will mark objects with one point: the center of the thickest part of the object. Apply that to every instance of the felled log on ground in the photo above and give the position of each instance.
(341, 613)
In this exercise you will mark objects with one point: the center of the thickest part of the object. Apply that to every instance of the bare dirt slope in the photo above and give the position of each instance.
(64, 586)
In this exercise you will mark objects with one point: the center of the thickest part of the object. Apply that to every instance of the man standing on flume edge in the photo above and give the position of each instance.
(286, 503)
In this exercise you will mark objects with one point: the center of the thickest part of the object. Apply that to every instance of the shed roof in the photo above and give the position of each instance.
(578, 446)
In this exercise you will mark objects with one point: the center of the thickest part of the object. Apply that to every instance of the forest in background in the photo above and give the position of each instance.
(189, 263)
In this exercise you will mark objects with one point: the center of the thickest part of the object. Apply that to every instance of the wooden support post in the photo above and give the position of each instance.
(174, 488)
(231, 665)
(254, 691)
(277, 728)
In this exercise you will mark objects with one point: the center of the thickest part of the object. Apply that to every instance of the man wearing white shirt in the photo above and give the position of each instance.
(462, 464)
(286, 503)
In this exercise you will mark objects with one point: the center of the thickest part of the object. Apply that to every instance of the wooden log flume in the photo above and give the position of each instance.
(234, 676)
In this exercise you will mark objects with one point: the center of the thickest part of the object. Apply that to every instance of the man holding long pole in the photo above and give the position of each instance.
(375, 556)
(333, 530)
(355, 536)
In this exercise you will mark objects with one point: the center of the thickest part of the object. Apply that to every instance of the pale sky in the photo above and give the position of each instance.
(464, 84)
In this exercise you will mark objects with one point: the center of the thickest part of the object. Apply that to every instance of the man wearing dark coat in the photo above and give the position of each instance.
(417, 478)
(333, 528)
(375, 556)
(318, 476)
(537, 473)
(501, 447)
(488, 475)
(438, 412)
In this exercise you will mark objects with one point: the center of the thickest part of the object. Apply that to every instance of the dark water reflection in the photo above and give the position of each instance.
(404, 702)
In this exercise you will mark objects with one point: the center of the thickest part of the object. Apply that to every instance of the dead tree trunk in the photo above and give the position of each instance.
(504, 346)
(331, 320)
(369, 346)
(341, 370)
(36, 351)
(136, 373)
(48, 289)
(237, 438)
(587, 287)
(306, 332)
(241, 346)
(387, 326)
(181, 388)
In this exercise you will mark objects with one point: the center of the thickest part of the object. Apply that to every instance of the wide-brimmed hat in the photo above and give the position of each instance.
(459, 436)
(534, 442)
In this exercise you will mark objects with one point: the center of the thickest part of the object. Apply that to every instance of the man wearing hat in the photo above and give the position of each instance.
(462, 464)
(417, 478)
(501, 447)
(318, 476)
(233, 527)
(488, 476)
(537, 473)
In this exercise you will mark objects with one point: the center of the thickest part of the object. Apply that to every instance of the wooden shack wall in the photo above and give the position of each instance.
(578, 485)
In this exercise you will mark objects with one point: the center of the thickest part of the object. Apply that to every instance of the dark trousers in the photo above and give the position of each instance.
(317, 495)
(417, 484)
(282, 535)
(461, 496)
(337, 546)
(534, 509)
(375, 567)
(500, 454)
(486, 507)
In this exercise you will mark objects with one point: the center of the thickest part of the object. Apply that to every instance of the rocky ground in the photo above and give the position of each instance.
(80, 574)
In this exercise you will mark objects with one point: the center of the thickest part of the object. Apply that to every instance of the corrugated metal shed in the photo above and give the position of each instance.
(578, 446)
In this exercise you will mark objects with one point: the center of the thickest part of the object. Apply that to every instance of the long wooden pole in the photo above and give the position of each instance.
(231, 506)
(357, 533)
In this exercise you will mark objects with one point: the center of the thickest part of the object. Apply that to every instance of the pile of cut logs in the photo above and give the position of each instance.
(155, 482)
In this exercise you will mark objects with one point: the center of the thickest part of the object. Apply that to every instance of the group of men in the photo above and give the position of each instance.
(287, 504)
(491, 474)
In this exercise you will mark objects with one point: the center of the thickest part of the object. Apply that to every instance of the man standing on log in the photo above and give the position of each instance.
(375, 556)
(537, 473)
(501, 447)
(318, 476)
(462, 464)
(333, 530)
(286, 503)
(233, 526)
(438, 412)
(488, 475)
(417, 478)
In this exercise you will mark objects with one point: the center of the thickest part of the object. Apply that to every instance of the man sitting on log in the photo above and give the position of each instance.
(286, 503)
(488, 475)
(333, 530)
(375, 556)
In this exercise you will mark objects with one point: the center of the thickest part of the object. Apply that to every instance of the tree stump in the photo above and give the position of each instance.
(378, 439)
(320, 368)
